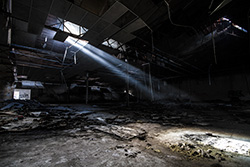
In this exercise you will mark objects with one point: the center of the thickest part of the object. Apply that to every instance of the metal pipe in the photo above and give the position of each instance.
(9, 20)
(152, 39)
(221, 5)
(65, 54)
(48, 53)
(34, 65)
(211, 4)
(35, 57)
(172, 57)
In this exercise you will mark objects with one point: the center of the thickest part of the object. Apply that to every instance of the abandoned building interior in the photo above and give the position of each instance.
(125, 83)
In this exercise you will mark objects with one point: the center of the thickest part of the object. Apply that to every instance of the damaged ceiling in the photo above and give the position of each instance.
(125, 83)
(178, 38)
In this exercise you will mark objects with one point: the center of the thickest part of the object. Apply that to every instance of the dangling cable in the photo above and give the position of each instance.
(178, 25)
(211, 4)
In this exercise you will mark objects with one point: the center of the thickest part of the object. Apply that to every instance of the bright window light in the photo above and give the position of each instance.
(225, 19)
(236, 26)
(240, 28)
(114, 44)
(74, 28)
(80, 42)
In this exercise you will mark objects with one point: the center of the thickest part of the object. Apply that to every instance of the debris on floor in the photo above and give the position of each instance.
(122, 132)
(188, 135)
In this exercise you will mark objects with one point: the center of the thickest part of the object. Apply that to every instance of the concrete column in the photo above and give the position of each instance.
(87, 88)
(127, 88)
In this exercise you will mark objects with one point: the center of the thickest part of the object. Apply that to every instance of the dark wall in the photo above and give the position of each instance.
(225, 87)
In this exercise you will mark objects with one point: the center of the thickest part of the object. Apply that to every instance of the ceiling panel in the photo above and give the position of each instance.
(37, 16)
(109, 31)
(36, 21)
(150, 13)
(35, 28)
(161, 13)
(48, 33)
(98, 40)
(90, 35)
(20, 25)
(75, 14)
(24, 38)
(97, 7)
(60, 8)
(123, 37)
(131, 4)
(89, 20)
(100, 26)
(43, 5)
(20, 11)
(24, 2)
(114, 12)
(143, 7)
(125, 19)
(136, 25)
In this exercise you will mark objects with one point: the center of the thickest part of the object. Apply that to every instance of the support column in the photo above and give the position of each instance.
(87, 88)
(150, 83)
(9, 22)
(127, 88)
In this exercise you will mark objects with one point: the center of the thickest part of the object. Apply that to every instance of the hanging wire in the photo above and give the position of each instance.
(211, 4)
(213, 42)
(179, 25)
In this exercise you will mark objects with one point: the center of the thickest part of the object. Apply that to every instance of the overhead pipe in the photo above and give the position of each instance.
(9, 21)
(173, 57)
(34, 65)
(221, 5)
(152, 39)
(32, 56)
(48, 53)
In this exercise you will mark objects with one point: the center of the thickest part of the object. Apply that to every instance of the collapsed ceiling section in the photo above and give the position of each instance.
(171, 35)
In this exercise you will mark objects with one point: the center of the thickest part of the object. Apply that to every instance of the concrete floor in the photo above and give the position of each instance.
(141, 135)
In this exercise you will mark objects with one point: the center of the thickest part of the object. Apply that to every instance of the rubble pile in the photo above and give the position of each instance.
(22, 115)
(195, 151)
